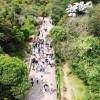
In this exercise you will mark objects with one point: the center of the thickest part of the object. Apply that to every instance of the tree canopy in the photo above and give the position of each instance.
(13, 78)
(94, 22)
(16, 24)
(18, 20)
(80, 49)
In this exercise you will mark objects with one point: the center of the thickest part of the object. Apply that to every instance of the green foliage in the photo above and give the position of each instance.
(16, 24)
(56, 9)
(81, 51)
(59, 36)
(81, 91)
(83, 54)
(94, 24)
(60, 80)
(73, 1)
(58, 33)
(62, 20)
(86, 64)
(1, 51)
(13, 78)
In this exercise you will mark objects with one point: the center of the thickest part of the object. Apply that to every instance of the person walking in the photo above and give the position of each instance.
(39, 49)
(32, 82)
(37, 81)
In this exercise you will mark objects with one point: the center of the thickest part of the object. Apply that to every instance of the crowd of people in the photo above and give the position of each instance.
(42, 57)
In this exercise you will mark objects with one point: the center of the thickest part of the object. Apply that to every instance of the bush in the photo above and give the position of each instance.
(83, 55)
(58, 33)
(94, 21)
(86, 61)
(13, 78)
(56, 9)
(17, 22)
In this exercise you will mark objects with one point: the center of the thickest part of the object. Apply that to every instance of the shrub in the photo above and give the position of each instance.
(13, 78)
(94, 21)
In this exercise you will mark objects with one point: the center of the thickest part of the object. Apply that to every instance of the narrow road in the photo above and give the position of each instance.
(48, 76)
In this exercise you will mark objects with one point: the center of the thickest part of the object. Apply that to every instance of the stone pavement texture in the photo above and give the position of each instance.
(37, 92)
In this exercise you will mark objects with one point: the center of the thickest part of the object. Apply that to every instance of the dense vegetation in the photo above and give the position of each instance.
(18, 20)
(16, 24)
(94, 24)
(13, 78)
(56, 9)
(78, 43)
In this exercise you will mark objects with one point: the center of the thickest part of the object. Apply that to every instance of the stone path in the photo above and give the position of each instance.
(37, 92)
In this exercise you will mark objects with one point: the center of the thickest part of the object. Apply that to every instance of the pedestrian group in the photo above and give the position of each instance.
(42, 57)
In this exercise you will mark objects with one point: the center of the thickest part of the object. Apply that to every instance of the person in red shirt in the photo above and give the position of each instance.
(34, 42)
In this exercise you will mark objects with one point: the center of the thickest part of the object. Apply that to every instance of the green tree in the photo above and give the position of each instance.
(94, 22)
(87, 63)
(13, 78)
(56, 9)
(15, 25)
(58, 33)
(62, 38)
(83, 55)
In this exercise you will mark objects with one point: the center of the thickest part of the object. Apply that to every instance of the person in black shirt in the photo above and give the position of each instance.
(32, 82)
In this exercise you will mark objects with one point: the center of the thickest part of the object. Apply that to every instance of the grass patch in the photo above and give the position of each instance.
(61, 76)
(60, 80)
(78, 90)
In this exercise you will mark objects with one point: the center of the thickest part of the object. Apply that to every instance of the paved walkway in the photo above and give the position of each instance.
(49, 77)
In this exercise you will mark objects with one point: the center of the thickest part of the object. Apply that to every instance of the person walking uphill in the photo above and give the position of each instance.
(32, 82)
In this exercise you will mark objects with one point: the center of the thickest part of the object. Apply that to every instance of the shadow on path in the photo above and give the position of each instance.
(35, 93)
